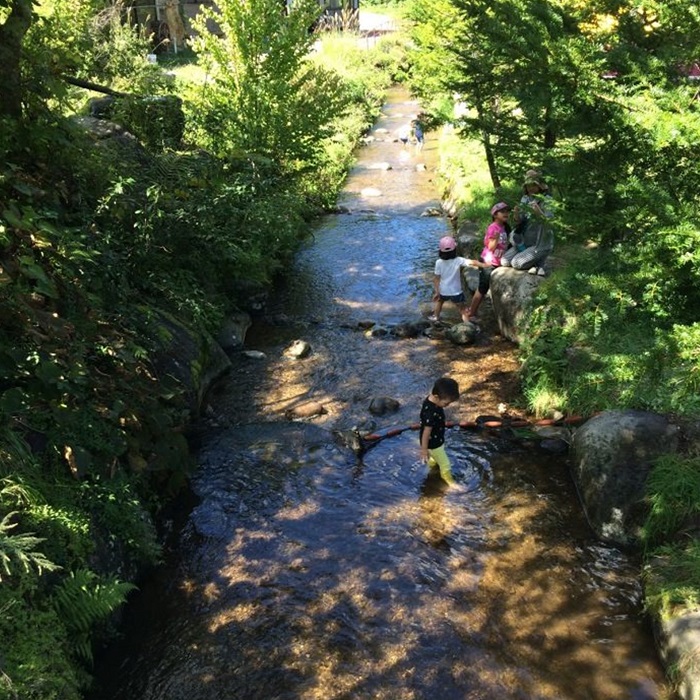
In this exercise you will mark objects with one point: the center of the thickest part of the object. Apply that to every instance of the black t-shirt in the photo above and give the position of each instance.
(434, 416)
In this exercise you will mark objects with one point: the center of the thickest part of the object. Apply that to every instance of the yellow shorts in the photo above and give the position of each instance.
(438, 458)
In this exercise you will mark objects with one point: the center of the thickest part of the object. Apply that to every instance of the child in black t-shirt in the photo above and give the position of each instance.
(432, 426)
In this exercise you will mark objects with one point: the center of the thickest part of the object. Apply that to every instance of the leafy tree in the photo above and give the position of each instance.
(263, 95)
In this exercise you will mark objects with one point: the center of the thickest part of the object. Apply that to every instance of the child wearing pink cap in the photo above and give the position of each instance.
(447, 281)
(495, 244)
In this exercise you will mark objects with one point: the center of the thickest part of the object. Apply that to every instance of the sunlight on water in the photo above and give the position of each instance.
(330, 577)
(307, 573)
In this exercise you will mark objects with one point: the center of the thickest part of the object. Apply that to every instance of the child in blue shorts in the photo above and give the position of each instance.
(447, 281)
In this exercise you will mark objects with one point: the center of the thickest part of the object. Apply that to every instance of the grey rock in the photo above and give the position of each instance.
(194, 359)
(380, 166)
(211, 520)
(381, 405)
(231, 336)
(306, 410)
(471, 278)
(297, 350)
(511, 294)
(409, 329)
(468, 229)
(554, 446)
(462, 333)
(377, 332)
(612, 457)
(677, 638)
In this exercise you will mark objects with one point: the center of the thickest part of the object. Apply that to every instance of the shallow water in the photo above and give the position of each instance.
(306, 572)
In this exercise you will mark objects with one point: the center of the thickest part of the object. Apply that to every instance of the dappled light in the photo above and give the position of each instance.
(379, 582)
(316, 572)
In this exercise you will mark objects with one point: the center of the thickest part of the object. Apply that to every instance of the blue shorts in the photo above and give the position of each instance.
(455, 298)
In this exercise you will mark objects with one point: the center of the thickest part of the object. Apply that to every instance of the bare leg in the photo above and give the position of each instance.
(476, 303)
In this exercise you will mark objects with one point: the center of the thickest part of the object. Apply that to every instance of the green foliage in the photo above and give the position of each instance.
(575, 348)
(260, 84)
(37, 664)
(671, 579)
(18, 554)
(157, 121)
(82, 600)
(119, 514)
(674, 485)
(365, 76)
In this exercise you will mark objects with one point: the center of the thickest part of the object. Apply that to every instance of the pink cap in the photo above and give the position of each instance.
(499, 207)
(447, 243)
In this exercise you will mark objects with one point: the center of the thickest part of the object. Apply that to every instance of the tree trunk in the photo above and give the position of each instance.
(172, 16)
(491, 160)
(12, 34)
(550, 134)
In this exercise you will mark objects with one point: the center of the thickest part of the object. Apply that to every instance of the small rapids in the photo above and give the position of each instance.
(305, 572)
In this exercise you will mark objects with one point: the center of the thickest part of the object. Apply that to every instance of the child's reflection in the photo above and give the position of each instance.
(434, 523)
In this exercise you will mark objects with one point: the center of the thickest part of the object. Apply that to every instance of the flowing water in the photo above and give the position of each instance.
(306, 572)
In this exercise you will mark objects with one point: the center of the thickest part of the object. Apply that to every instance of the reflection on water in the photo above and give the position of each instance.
(303, 573)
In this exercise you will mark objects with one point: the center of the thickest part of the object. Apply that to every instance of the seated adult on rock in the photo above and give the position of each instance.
(533, 236)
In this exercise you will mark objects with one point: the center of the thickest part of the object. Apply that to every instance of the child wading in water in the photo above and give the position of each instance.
(447, 281)
(432, 426)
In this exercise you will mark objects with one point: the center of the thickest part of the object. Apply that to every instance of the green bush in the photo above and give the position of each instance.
(157, 121)
(37, 659)
(670, 536)
(92, 235)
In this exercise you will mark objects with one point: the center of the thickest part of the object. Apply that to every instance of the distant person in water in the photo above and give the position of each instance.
(417, 134)
(404, 134)
(447, 280)
(432, 426)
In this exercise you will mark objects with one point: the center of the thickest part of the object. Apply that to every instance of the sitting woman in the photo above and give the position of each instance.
(533, 236)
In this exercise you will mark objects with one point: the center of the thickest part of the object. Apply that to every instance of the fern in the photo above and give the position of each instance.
(15, 489)
(82, 600)
(20, 550)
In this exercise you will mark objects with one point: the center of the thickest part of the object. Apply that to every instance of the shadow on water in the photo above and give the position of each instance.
(305, 573)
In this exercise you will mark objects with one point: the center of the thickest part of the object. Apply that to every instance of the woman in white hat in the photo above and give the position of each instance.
(533, 237)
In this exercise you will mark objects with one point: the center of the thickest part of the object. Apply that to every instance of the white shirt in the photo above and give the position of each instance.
(449, 272)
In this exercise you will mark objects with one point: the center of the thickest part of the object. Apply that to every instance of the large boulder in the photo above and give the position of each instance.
(677, 635)
(511, 294)
(193, 359)
(470, 240)
(612, 456)
(233, 330)
(116, 139)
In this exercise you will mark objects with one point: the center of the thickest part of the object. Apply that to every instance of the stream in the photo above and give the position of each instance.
(304, 571)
